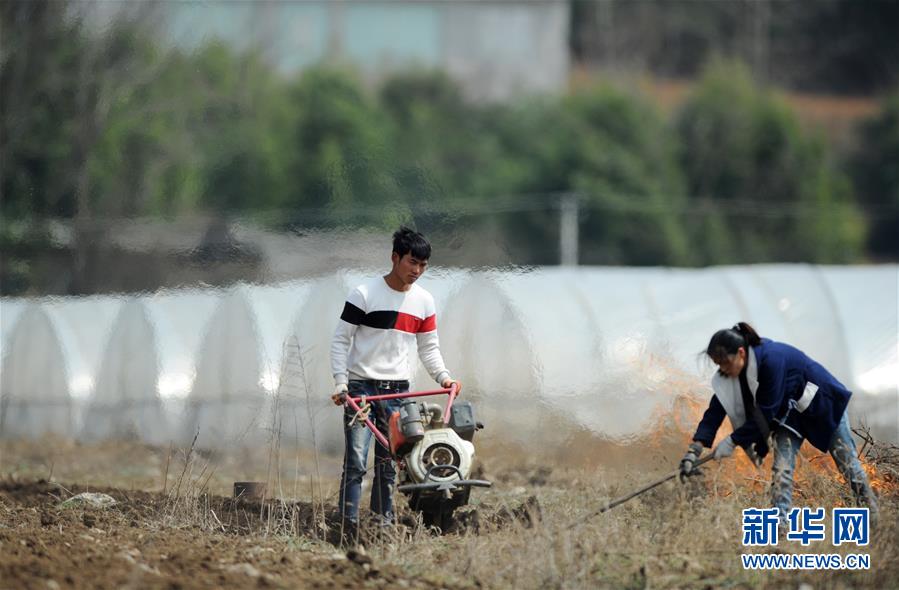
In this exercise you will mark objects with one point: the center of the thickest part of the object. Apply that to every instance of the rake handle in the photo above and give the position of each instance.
(650, 486)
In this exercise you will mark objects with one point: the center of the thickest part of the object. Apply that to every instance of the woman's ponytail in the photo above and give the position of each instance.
(728, 341)
(749, 334)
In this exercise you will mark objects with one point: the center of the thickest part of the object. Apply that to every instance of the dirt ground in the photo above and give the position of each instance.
(174, 524)
(141, 542)
(184, 536)
(130, 545)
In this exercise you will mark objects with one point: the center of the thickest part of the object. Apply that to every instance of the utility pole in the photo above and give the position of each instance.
(761, 22)
(605, 19)
(335, 30)
(568, 229)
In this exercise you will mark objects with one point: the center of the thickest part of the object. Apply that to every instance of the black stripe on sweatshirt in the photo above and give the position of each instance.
(384, 320)
(352, 314)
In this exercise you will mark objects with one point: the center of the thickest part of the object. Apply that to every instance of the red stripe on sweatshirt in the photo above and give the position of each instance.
(429, 324)
(407, 323)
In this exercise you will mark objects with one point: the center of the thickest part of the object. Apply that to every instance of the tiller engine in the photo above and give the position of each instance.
(433, 448)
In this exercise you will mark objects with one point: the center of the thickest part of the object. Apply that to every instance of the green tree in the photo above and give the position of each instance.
(141, 163)
(841, 46)
(439, 141)
(40, 49)
(845, 46)
(629, 174)
(210, 132)
(340, 161)
(875, 169)
(771, 192)
(614, 151)
(242, 128)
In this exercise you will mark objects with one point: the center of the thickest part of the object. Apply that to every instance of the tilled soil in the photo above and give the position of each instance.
(141, 542)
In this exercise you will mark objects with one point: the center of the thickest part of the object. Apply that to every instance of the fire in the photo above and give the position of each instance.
(670, 430)
(813, 468)
(884, 481)
(880, 461)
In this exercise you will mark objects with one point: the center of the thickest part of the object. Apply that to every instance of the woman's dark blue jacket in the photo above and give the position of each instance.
(794, 392)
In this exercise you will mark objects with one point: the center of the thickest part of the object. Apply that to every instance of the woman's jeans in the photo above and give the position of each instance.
(845, 456)
(358, 438)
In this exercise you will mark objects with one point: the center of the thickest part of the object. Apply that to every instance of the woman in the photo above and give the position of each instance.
(771, 389)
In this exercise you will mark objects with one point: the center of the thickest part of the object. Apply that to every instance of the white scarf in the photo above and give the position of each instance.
(728, 390)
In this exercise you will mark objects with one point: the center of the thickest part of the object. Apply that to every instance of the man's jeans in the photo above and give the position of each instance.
(355, 459)
(845, 456)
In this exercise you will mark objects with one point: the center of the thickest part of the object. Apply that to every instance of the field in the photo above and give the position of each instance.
(175, 525)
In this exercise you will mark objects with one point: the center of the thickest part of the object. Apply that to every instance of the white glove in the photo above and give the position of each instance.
(689, 460)
(339, 395)
(724, 449)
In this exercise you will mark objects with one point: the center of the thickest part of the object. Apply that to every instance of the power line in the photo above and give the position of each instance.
(654, 204)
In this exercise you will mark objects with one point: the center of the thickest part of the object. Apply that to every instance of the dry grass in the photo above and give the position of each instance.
(673, 537)
(537, 527)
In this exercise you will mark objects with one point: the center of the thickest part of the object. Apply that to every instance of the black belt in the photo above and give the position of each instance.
(382, 384)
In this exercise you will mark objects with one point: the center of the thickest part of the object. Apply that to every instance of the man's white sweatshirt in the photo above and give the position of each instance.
(376, 330)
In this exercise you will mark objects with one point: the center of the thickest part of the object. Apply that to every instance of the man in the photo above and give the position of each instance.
(381, 320)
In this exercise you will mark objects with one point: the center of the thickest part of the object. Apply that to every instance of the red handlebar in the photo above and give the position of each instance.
(353, 402)
(451, 390)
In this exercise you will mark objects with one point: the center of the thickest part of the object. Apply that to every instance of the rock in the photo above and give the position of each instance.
(336, 556)
(359, 556)
(245, 569)
(127, 556)
(89, 499)
(48, 519)
(540, 476)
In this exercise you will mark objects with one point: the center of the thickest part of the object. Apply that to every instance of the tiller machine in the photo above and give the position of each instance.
(433, 449)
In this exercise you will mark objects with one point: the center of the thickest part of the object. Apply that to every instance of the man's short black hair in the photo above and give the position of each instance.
(406, 240)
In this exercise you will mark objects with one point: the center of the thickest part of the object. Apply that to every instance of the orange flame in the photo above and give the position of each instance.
(685, 413)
